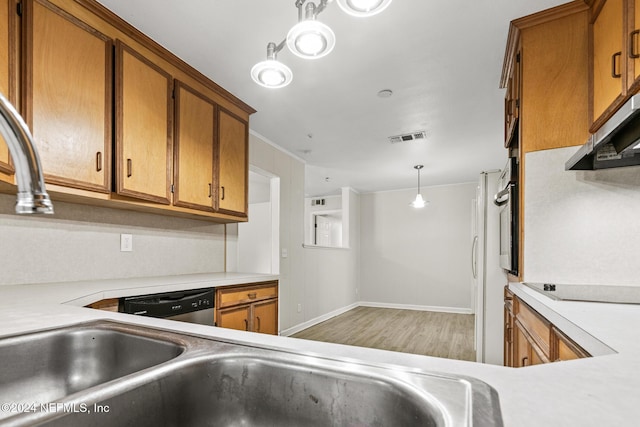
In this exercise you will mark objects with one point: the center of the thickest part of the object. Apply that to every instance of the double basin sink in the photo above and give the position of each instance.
(108, 373)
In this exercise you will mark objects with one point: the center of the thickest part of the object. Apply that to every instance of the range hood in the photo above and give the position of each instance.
(615, 144)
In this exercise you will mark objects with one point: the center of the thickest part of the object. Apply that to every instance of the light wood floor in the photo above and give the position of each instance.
(420, 332)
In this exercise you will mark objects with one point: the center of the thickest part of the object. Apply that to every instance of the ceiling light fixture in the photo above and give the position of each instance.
(363, 8)
(419, 202)
(272, 73)
(309, 39)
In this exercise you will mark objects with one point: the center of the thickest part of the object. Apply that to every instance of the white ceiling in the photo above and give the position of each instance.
(441, 58)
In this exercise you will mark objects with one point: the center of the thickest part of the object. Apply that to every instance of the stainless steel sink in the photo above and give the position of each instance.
(228, 384)
(45, 366)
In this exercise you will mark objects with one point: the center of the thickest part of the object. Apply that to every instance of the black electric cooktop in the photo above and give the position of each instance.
(592, 293)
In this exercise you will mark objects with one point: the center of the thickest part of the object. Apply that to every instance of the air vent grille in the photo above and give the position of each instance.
(407, 137)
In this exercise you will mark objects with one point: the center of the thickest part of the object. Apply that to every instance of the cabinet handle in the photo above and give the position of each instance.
(258, 328)
(252, 295)
(524, 359)
(222, 189)
(246, 325)
(615, 74)
(129, 167)
(210, 190)
(632, 44)
(98, 161)
(509, 339)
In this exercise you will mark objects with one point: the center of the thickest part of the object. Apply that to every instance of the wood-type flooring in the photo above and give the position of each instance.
(428, 333)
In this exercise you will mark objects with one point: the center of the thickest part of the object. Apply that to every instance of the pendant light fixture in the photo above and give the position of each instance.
(308, 39)
(419, 202)
(363, 8)
(272, 73)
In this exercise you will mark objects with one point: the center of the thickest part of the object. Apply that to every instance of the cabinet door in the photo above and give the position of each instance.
(144, 127)
(234, 318)
(265, 317)
(508, 337)
(608, 59)
(522, 348)
(565, 348)
(68, 96)
(233, 143)
(195, 148)
(634, 44)
(7, 28)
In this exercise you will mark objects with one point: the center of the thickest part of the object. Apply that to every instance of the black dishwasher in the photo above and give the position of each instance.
(193, 306)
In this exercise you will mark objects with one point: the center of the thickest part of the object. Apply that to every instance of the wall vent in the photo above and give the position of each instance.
(316, 202)
(406, 137)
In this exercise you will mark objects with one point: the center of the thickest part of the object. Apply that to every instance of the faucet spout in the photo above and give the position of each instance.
(32, 195)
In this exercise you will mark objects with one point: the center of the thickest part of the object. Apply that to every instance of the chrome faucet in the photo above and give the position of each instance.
(32, 195)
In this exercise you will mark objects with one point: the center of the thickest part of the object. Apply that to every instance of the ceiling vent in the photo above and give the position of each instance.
(407, 137)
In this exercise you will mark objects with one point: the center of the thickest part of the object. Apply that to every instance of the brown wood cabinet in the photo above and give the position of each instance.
(109, 304)
(530, 339)
(545, 70)
(607, 60)
(99, 98)
(233, 140)
(195, 149)
(7, 73)
(144, 127)
(67, 92)
(248, 307)
(615, 56)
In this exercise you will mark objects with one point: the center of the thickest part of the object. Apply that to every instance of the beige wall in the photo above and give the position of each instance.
(418, 257)
(83, 243)
(581, 227)
(318, 280)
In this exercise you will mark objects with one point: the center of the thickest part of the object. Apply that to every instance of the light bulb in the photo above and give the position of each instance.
(271, 73)
(311, 39)
(418, 202)
(363, 8)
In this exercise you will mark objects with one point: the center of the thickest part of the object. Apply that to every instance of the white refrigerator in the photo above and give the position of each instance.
(487, 277)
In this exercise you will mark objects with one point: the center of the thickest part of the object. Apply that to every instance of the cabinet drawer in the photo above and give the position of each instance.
(230, 296)
(536, 326)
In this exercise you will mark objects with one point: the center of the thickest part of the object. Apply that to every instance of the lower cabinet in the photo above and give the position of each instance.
(251, 308)
(530, 339)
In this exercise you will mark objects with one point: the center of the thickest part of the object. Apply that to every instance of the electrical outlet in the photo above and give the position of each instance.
(299, 308)
(126, 243)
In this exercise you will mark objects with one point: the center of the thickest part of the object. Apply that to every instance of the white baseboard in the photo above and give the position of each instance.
(315, 321)
(309, 323)
(455, 310)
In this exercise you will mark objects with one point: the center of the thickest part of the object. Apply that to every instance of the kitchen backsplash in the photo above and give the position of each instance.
(580, 227)
(83, 243)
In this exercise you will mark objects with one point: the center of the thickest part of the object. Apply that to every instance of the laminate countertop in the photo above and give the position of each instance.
(597, 391)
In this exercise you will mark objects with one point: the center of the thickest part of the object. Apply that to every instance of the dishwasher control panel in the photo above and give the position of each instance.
(169, 304)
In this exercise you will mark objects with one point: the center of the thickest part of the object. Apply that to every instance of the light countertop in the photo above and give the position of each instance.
(596, 391)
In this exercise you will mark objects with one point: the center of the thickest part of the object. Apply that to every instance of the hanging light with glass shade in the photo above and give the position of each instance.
(272, 73)
(419, 202)
(308, 39)
(363, 8)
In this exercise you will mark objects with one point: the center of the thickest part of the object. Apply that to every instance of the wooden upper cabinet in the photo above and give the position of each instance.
(68, 98)
(233, 164)
(144, 127)
(6, 49)
(608, 59)
(634, 45)
(195, 149)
